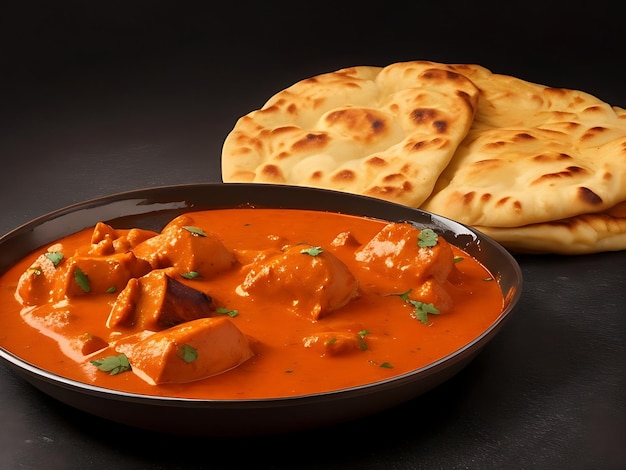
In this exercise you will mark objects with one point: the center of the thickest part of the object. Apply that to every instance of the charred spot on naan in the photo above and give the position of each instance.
(400, 187)
(424, 145)
(552, 157)
(568, 172)
(359, 124)
(344, 176)
(316, 141)
(593, 132)
(271, 173)
(587, 196)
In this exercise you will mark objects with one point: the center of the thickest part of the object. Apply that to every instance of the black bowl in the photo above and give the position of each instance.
(152, 209)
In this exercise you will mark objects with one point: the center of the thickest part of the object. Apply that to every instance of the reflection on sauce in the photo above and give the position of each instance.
(245, 303)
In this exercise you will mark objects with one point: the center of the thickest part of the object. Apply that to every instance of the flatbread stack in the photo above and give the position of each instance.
(539, 169)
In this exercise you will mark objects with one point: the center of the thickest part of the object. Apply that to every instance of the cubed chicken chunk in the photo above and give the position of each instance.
(36, 283)
(334, 343)
(106, 240)
(157, 301)
(392, 262)
(187, 248)
(77, 275)
(191, 351)
(80, 275)
(306, 282)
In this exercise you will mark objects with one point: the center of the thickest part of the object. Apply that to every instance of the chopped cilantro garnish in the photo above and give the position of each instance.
(111, 290)
(82, 280)
(404, 296)
(113, 364)
(427, 238)
(55, 257)
(362, 342)
(458, 259)
(420, 309)
(187, 353)
(198, 232)
(384, 365)
(312, 251)
(190, 275)
(227, 311)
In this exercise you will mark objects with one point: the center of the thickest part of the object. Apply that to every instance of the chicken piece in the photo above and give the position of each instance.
(392, 262)
(334, 343)
(345, 239)
(80, 275)
(106, 240)
(35, 284)
(157, 301)
(310, 285)
(187, 248)
(46, 281)
(191, 351)
(432, 292)
(83, 345)
(101, 232)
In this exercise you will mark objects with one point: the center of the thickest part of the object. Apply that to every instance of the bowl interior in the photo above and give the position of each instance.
(151, 209)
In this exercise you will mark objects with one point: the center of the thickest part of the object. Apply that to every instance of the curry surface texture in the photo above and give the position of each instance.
(245, 303)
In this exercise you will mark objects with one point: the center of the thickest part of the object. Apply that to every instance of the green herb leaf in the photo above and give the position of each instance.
(227, 311)
(82, 280)
(190, 275)
(198, 232)
(384, 365)
(113, 364)
(312, 251)
(427, 238)
(55, 257)
(421, 310)
(404, 296)
(458, 259)
(187, 353)
(111, 290)
(362, 342)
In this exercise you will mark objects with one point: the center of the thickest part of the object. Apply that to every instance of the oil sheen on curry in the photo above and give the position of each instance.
(245, 303)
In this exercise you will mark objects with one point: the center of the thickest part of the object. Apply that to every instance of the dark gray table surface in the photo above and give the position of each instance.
(101, 99)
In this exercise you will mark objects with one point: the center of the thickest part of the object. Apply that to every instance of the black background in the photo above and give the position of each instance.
(102, 97)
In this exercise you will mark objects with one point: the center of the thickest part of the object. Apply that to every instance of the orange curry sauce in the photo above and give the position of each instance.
(313, 302)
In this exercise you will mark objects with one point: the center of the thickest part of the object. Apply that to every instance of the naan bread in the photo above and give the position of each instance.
(534, 154)
(587, 233)
(539, 169)
(382, 132)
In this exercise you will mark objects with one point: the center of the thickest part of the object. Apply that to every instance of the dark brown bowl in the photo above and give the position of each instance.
(152, 209)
